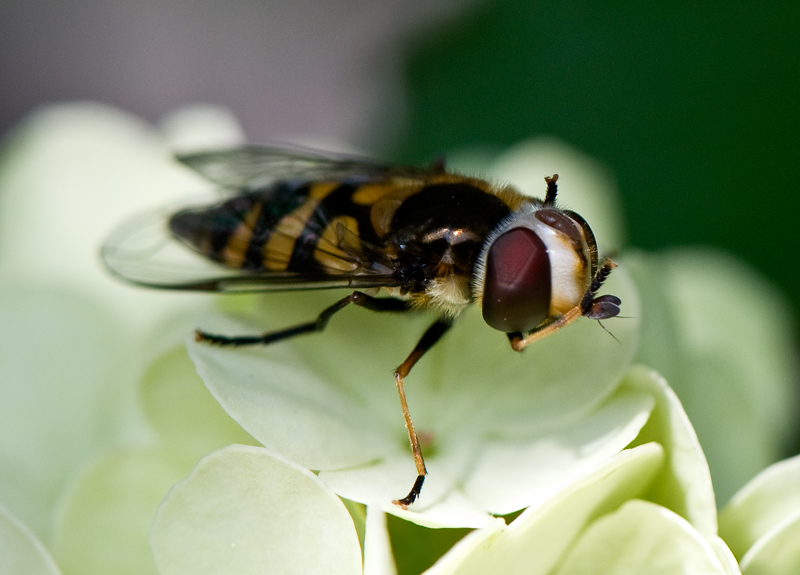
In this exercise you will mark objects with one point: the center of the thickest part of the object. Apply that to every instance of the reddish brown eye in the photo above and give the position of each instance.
(561, 222)
(516, 293)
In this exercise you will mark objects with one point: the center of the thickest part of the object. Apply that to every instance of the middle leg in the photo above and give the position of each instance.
(429, 338)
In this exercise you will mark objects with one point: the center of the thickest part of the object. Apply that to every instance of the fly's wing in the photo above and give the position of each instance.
(253, 167)
(147, 251)
(142, 251)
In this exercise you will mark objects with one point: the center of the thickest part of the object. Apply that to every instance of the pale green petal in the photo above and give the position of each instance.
(243, 510)
(510, 464)
(381, 483)
(60, 395)
(507, 476)
(777, 552)
(514, 473)
(105, 520)
(641, 537)
(378, 558)
(770, 499)
(584, 184)
(535, 542)
(328, 401)
(473, 547)
(201, 127)
(69, 173)
(189, 420)
(724, 555)
(77, 171)
(722, 337)
(286, 406)
(21, 553)
(684, 485)
(417, 548)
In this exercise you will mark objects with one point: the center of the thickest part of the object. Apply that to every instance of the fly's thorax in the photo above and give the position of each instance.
(436, 235)
(387, 199)
(534, 267)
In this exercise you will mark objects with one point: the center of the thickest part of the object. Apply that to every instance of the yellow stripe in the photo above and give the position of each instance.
(320, 190)
(279, 247)
(328, 253)
(235, 250)
(370, 193)
(382, 212)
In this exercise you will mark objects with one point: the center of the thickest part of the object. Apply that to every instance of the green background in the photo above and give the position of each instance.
(693, 106)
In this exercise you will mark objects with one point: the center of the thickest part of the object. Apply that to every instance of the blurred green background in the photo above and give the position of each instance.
(695, 107)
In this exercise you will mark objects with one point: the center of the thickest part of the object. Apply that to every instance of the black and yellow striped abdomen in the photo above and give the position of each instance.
(410, 229)
(277, 229)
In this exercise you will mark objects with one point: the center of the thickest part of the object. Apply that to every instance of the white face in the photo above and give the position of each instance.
(535, 266)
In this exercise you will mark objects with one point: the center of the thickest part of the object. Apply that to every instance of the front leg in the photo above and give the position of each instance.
(357, 298)
(591, 306)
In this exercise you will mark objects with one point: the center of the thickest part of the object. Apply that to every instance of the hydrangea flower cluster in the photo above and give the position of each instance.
(129, 448)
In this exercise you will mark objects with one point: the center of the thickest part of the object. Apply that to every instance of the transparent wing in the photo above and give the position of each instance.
(252, 167)
(143, 251)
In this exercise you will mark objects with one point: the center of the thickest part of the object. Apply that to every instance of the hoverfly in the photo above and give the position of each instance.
(429, 238)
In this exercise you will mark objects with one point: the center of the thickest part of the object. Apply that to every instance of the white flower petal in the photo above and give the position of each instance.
(378, 558)
(182, 411)
(60, 395)
(769, 499)
(381, 483)
(105, 519)
(287, 407)
(201, 127)
(725, 555)
(328, 401)
(511, 475)
(68, 175)
(721, 335)
(534, 543)
(641, 537)
(684, 485)
(777, 551)
(465, 550)
(243, 510)
(20, 551)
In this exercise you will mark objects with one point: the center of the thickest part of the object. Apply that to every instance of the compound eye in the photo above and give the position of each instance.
(516, 292)
(561, 222)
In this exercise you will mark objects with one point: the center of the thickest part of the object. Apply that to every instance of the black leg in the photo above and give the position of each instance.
(552, 190)
(358, 298)
(429, 338)
(604, 306)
